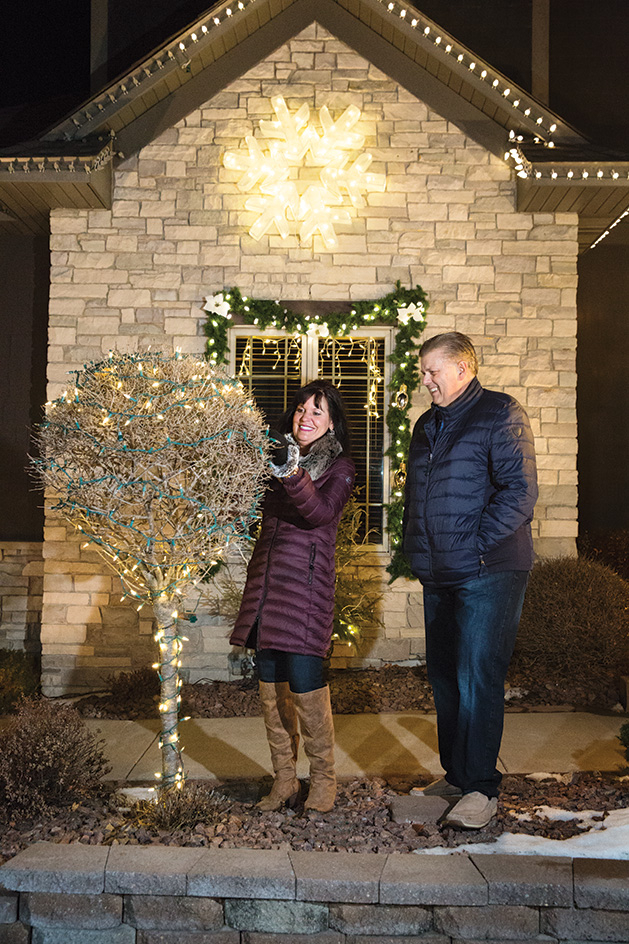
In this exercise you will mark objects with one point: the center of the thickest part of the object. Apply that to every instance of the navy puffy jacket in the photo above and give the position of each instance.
(471, 489)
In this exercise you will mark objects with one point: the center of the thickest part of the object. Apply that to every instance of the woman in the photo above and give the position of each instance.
(287, 608)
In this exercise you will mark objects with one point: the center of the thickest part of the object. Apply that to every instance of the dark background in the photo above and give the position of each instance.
(45, 74)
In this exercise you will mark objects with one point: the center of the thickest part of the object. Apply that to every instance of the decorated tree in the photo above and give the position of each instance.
(160, 461)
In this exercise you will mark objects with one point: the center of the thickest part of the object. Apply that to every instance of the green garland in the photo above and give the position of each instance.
(265, 313)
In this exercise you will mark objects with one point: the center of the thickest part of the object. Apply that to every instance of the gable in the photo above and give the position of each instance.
(232, 37)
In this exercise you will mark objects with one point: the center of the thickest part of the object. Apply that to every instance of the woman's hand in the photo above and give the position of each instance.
(290, 466)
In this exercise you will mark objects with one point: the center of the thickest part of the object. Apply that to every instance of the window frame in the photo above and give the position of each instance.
(309, 371)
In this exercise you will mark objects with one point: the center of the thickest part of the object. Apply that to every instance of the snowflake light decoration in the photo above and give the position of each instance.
(292, 144)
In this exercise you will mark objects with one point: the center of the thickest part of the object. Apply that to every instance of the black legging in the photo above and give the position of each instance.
(303, 673)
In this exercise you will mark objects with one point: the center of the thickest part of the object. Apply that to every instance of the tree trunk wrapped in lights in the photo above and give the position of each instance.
(160, 461)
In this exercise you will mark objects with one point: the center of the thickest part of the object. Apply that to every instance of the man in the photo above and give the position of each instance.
(470, 493)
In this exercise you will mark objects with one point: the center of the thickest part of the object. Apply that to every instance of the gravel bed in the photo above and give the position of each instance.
(360, 822)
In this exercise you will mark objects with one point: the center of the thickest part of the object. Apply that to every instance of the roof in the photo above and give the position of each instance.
(558, 169)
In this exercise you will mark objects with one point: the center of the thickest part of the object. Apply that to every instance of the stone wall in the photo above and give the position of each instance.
(21, 591)
(136, 275)
(169, 895)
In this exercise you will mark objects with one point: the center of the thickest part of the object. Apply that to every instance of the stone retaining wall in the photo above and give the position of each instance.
(55, 894)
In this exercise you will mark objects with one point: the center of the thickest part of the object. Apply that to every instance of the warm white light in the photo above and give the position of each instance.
(271, 180)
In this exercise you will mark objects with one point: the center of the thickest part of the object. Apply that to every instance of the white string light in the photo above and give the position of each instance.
(604, 235)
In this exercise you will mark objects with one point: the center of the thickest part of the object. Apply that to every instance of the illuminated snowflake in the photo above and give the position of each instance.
(294, 143)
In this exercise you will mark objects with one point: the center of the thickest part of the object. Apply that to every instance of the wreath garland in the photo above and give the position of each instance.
(405, 308)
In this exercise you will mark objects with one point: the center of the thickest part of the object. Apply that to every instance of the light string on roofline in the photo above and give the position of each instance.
(612, 226)
(75, 164)
(404, 309)
(565, 172)
(526, 109)
(177, 54)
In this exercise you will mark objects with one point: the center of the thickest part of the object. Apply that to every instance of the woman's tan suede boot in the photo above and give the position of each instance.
(280, 719)
(317, 729)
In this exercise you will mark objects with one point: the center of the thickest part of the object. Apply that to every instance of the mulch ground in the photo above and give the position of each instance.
(361, 820)
(391, 688)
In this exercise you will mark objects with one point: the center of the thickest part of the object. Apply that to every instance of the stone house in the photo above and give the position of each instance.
(489, 198)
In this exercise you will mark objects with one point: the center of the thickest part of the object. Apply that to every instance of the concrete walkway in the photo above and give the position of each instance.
(388, 745)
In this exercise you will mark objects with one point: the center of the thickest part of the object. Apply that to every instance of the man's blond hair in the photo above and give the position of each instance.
(455, 345)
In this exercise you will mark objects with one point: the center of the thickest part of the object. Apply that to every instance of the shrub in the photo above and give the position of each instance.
(49, 759)
(181, 809)
(607, 547)
(623, 737)
(575, 621)
(132, 688)
(19, 675)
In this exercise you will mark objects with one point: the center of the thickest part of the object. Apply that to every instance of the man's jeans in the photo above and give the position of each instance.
(470, 635)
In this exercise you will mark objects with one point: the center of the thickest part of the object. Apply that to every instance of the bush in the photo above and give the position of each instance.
(49, 759)
(607, 547)
(132, 688)
(181, 809)
(623, 737)
(19, 675)
(575, 622)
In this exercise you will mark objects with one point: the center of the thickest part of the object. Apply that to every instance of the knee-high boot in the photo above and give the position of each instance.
(280, 719)
(317, 730)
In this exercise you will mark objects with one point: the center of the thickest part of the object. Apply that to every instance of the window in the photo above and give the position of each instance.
(272, 365)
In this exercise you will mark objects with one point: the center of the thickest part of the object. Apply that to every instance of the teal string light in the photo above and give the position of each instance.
(159, 461)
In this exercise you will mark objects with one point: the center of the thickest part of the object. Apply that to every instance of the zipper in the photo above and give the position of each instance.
(313, 554)
(428, 538)
(266, 575)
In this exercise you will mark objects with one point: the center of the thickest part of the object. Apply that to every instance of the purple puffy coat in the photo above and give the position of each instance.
(291, 574)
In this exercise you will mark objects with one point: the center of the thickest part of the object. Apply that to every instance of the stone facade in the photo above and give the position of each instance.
(136, 275)
(21, 591)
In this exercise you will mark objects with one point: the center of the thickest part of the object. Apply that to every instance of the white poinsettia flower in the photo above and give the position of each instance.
(318, 331)
(416, 312)
(217, 304)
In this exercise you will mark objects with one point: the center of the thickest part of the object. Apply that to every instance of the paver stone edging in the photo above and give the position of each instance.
(145, 894)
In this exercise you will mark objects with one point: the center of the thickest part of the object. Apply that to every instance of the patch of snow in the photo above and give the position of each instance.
(515, 693)
(137, 794)
(606, 840)
(560, 778)
(556, 814)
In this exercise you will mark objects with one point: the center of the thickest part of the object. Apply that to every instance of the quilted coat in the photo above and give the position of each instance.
(290, 578)
(471, 489)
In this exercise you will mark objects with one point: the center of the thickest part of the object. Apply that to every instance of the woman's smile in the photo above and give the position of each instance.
(310, 422)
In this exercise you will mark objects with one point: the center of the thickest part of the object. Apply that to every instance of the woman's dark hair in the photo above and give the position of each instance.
(336, 408)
